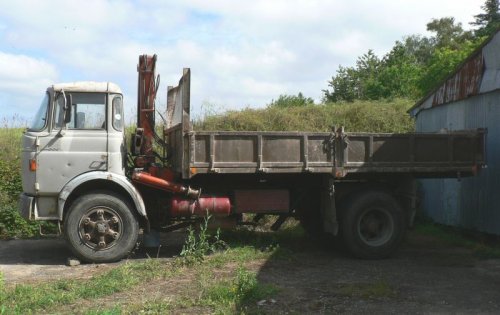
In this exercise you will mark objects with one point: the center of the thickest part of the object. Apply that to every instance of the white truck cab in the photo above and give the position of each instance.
(76, 137)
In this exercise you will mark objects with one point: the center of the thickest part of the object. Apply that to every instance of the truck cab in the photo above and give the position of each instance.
(78, 129)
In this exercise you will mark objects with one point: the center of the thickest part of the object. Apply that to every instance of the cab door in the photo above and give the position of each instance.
(74, 148)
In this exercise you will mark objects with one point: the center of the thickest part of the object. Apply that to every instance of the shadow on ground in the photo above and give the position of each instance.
(425, 276)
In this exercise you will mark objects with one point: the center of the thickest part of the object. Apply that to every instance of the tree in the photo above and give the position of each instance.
(401, 71)
(344, 86)
(410, 69)
(443, 62)
(285, 101)
(448, 33)
(489, 21)
(358, 82)
(418, 47)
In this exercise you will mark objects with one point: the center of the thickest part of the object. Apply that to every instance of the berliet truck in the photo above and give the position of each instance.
(79, 170)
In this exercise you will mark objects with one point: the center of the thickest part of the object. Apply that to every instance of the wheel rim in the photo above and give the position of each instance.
(375, 226)
(100, 228)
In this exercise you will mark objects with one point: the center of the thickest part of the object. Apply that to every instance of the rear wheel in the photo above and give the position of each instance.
(100, 227)
(373, 225)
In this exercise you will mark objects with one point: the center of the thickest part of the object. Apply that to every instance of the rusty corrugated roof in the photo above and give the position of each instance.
(464, 82)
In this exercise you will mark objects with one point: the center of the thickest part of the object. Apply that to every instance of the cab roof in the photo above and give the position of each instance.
(87, 86)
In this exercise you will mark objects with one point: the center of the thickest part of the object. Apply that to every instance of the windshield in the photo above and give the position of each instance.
(40, 119)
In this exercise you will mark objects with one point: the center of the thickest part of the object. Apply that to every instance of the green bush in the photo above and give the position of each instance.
(10, 178)
(11, 223)
(286, 101)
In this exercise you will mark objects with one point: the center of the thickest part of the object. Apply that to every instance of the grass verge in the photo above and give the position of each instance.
(29, 298)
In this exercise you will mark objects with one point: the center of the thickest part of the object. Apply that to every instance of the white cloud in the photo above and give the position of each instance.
(22, 76)
(23, 80)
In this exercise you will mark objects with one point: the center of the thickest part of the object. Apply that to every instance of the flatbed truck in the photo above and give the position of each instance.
(79, 171)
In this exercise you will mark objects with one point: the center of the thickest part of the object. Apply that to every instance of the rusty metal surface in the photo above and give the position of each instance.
(295, 152)
(226, 152)
(146, 95)
(216, 206)
(178, 124)
(478, 74)
(463, 84)
(262, 201)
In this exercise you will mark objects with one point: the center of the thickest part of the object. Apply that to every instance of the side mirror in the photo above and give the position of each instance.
(68, 102)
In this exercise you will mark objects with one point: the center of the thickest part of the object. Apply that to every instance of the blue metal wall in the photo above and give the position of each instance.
(472, 202)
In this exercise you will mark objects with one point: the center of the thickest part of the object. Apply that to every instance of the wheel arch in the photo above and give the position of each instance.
(100, 181)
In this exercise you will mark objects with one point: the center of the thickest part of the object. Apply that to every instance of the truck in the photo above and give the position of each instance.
(79, 171)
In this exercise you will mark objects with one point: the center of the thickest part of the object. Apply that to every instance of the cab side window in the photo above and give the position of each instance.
(118, 113)
(88, 111)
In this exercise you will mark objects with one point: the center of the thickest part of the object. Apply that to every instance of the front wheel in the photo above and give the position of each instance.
(373, 225)
(100, 227)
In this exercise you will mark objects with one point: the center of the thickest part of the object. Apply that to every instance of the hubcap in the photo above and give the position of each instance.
(375, 227)
(100, 228)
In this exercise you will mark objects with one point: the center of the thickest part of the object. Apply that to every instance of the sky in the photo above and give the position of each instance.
(241, 53)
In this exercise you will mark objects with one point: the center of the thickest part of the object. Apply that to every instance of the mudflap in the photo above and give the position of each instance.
(27, 206)
(328, 208)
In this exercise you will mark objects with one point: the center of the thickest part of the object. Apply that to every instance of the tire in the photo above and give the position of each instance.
(372, 225)
(100, 227)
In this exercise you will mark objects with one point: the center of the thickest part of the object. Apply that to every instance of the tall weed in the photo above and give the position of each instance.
(198, 245)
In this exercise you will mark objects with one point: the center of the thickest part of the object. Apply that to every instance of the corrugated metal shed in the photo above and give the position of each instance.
(468, 99)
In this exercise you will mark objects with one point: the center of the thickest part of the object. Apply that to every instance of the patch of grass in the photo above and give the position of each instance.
(115, 310)
(237, 293)
(366, 116)
(376, 290)
(484, 246)
(3, 309)
(246, 245)
(209, 293)
(262, 239)
(23, 299)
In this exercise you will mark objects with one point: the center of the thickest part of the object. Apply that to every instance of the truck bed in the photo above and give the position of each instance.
(419, 154)
(339, 153)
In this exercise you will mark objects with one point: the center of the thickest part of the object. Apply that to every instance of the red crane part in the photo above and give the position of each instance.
(161, 172)
(146, 95)
(158, 183)
(217, 206)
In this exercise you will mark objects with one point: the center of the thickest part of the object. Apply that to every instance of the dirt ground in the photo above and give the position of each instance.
(425, 276)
